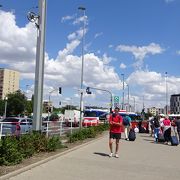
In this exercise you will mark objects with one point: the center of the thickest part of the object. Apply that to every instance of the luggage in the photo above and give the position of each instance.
(174, 141)
(132, 135)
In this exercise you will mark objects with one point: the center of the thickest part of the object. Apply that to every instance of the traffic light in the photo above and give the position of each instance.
(88, 90)
(59, 90)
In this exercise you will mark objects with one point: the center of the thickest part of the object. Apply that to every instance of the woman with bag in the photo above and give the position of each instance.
(167, 129)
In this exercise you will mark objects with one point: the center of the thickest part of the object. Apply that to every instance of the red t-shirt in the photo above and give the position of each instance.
(113, 127)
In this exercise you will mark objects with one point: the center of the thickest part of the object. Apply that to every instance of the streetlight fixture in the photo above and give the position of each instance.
(123, 92)
(82, 67)
(166, 93)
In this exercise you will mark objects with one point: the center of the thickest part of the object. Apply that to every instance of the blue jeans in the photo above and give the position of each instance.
(156, 133)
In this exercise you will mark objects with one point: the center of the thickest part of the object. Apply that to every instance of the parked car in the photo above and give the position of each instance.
(11, 125)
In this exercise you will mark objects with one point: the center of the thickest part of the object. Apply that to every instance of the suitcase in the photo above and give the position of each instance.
(174, 141)
(132, 135)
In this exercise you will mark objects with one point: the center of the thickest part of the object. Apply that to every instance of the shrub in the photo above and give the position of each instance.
(39, 142)
(89, 132)
(26, 145)
(9, 151)
(53, 143)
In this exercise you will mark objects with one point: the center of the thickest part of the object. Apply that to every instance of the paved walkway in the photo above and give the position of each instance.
(139, 160)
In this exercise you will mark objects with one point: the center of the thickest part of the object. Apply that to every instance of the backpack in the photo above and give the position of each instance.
(156, 123)
(132, 135)
(126, 121)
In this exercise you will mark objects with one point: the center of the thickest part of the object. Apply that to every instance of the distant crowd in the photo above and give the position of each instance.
(165, 130)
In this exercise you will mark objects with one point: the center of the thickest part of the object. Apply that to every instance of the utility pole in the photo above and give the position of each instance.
(123, 93)
(82, 69)
(166, 93)
(128, 98)
(39, 71)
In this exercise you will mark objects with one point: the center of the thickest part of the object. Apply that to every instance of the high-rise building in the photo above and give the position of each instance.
(9, 82)
(175, 103)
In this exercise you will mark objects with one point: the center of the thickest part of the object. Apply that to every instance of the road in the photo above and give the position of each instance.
(139, 160)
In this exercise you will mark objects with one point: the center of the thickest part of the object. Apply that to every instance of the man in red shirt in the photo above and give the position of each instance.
(115, 122)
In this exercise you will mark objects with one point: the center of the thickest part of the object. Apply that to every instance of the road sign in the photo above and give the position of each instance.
(116, 104)
(116, 99)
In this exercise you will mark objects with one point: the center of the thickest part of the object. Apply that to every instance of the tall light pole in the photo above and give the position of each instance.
(5, 106)
(166, 93)
(123, 92)
(134, 104)
(39, 71)
(82, 67)
(128, 97)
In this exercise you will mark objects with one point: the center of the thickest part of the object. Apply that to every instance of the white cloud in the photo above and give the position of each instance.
(110, 46)
(81, 19)
(18, 48)
(152, 86)
(66, 18)
(98, 34)
(122, 66)
(141, 52)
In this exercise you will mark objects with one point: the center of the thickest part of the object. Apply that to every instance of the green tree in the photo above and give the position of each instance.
(16, 103)
(2, 104)
(29, 106)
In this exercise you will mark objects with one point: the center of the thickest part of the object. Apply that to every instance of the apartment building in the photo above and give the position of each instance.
(175, 104)
(155, 111)
(9, 82)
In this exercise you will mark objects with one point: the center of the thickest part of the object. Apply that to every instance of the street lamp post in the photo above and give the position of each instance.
(5, 106)
(39, 71)
(134, 104)
(123, 92)
(166, 93)
(128, 98)
(82, 69)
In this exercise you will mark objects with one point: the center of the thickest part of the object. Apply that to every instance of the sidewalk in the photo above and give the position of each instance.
(138, 160)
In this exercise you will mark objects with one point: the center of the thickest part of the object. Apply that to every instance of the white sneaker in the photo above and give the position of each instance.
(116, 155)
(111, 154)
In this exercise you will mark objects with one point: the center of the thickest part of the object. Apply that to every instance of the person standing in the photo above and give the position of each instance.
(177, 123)
(127, 125)
(167, 129)
(115, 122)
(156, 129)
(151, 123)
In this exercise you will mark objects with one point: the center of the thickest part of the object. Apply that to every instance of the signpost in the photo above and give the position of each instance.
(116, 101)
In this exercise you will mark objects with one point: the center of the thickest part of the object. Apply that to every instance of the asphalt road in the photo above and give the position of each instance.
(139, 160)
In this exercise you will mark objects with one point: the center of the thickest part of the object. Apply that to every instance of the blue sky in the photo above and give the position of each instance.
(139, 38)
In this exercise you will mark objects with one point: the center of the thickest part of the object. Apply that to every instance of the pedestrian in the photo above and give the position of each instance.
(151, 123)
(167, 129)
(156, 129)
(115, 122)
(177, 123)
(127, 125)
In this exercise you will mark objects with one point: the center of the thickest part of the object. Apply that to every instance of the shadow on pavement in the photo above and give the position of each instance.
(101, 154)
(148, 140)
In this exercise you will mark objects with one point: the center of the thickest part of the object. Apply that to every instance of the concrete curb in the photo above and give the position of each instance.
(16, 172)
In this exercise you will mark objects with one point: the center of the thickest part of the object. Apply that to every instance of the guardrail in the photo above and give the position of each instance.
(48, 127)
